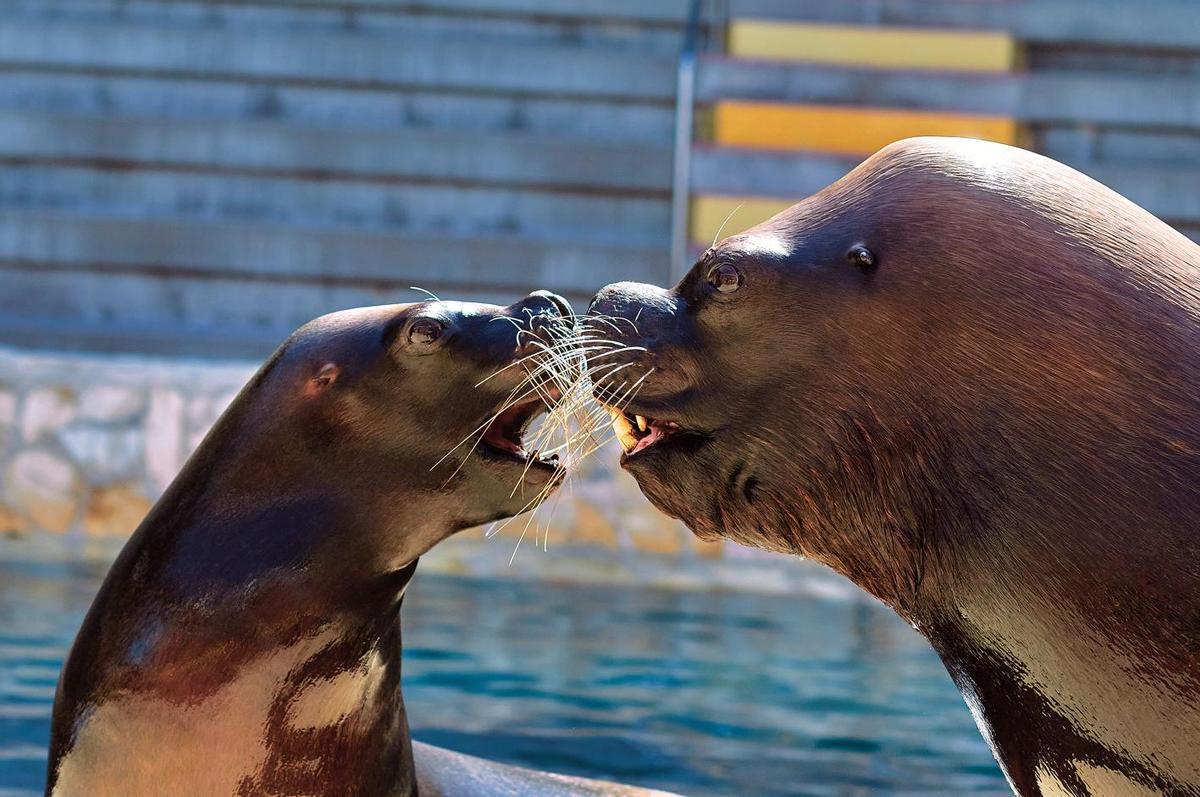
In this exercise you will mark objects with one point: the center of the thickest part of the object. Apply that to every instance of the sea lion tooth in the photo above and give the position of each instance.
(624, 431)
(642, 422)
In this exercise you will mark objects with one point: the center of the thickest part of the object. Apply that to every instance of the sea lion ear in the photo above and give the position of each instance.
(322, 379)
(862, 257)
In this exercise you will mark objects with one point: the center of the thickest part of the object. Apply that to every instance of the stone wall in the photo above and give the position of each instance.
(88, 442)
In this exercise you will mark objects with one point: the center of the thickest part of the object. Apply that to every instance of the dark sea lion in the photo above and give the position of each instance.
(247, 639)
(968, 378)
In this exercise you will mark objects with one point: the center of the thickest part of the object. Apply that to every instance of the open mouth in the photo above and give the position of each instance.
(636, 433)
(504, 437)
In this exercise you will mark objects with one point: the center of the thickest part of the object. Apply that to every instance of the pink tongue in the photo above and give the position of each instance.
(653, 437)
(498, 440)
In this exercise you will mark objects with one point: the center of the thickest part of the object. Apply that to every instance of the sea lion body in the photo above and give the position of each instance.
(968, 378)
(247, 639)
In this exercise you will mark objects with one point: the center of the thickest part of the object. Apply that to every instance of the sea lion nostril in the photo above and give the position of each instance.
(560, 304)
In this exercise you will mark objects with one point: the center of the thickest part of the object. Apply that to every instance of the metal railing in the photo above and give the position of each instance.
(685, 107)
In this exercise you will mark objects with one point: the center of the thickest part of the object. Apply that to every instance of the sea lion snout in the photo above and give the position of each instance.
(644, 312)
(642, 330)
(544, 321)
(560, 304)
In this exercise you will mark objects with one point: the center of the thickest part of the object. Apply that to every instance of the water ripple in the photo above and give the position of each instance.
(706, 694)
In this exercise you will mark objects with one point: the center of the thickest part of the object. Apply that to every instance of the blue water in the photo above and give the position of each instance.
(701, 693)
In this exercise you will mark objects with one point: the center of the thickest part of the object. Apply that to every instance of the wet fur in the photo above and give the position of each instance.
(996, 431)
(247, 639)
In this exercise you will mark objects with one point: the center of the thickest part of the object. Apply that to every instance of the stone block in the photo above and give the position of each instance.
(8, 408)
(12, 522)
(200, 412)
(104, 453)
(164, 444)
(706, 549)
(114, 511)
(45, 411)
(591, 527)
(8, 416)
(111, 403)
(649, 533)
(222, 402)
(44, 487)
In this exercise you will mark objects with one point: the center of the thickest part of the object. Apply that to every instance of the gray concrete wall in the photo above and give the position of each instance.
(1108, 86)
(199, 178)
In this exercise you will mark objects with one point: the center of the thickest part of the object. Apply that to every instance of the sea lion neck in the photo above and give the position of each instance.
(250, 647)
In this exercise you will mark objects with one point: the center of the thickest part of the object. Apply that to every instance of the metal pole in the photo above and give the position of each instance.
(681, 182)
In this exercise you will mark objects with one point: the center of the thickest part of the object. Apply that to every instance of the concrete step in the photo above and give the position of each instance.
(401, 61)
(115, 95)
(648, 13)
(78, 310)
(221, 289)
(1119, 147)
(1054, 57)
(401, 155)
(1165, 190)
(365, 20)
(437, 209)
(171, 248)
(1050, 97)
(1167, 24)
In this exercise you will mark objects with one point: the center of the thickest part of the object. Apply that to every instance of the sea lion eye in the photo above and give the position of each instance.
(725, 278)
(425, 331)
(861, 256)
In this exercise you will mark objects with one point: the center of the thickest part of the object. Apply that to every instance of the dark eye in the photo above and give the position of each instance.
(861, 256)
(425, 331)
(725, 278)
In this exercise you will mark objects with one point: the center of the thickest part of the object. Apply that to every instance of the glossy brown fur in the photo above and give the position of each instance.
(995, 430)
(247, 639)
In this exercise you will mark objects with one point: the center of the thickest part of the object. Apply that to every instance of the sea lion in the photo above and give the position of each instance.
(247, 639)
(968, 378)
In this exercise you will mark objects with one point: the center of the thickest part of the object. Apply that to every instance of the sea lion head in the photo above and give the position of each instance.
(964, 376)
(380, 409)
(258, 601)
(828, 382)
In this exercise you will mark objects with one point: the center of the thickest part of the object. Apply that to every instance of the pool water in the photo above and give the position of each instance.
(701, 693)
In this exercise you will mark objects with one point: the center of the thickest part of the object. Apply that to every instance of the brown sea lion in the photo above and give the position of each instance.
(247, 639)
(968, 378)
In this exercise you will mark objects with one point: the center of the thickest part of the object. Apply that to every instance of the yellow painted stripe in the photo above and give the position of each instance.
(886, 47)
(844, 130)
(728, 215)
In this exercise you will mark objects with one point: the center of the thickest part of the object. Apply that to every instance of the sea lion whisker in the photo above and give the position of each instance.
(277, 670)
(513, 364)
(512, 321)
(482, 429)
(430, 294)
(529, 461)
(621, 350)
(721, 229)
(517, 547)
(611, 319)
(517, 514)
